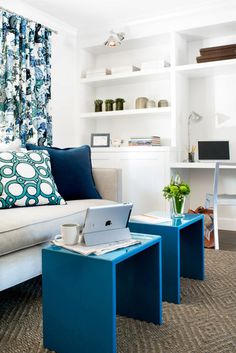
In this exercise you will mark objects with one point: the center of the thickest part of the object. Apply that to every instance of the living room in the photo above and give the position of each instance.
(136, 101)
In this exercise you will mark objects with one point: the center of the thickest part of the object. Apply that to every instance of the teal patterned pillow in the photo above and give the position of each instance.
(26, 180)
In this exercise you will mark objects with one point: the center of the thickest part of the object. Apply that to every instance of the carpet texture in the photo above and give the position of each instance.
(204, 322)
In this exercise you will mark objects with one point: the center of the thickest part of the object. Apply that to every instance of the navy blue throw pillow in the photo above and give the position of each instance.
(72, 171)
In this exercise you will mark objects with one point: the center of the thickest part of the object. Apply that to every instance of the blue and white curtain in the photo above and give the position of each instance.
(25, 80)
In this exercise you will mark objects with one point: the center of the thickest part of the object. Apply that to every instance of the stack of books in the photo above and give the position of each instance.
(145, 141)
(124, 69)
(98, 73)
(222, 52)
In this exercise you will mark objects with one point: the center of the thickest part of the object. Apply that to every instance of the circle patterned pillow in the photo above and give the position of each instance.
(26, 180)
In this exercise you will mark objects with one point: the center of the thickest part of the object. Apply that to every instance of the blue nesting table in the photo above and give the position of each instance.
(182, 250)
(83, 294)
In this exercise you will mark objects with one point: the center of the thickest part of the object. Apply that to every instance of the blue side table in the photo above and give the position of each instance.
(83, 294)
(182, 250)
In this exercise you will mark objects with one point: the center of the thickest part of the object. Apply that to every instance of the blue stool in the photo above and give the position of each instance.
(182, 250)
(83, 294)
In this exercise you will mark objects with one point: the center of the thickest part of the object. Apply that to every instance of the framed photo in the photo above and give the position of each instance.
(100, 140)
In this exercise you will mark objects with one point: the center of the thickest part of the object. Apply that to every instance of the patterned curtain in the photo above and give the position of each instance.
(25, 80)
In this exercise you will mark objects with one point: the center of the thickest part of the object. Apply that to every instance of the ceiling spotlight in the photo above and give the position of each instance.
(114, 39)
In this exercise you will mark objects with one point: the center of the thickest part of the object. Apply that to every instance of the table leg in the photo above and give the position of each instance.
(170, 258)
(192, 250)
(79, 304)
(139, 293)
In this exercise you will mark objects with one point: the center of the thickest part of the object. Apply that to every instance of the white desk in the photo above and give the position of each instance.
(199, 175)
(198, 165)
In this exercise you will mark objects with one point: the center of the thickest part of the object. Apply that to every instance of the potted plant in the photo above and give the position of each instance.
(176, 192)
(120, 103)
(98, 105)
(109, 104)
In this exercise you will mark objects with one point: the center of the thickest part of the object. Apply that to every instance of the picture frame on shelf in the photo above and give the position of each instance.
(100, 140)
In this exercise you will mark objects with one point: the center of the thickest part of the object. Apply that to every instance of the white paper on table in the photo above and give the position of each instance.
(149, 218)
(97, 249)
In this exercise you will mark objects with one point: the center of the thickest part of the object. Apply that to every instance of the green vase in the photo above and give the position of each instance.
(109, 107)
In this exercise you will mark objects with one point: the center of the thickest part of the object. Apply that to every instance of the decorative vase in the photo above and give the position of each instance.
(120, 104)
(109, 105)
(141, 103)
(162, 103)
(98, 105)
(151, 104)
(177, 206)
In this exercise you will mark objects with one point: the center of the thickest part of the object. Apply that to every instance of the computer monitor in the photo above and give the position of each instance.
(213, 150)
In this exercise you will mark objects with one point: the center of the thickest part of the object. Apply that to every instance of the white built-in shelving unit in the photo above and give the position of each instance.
(176, 83)
(207, 88)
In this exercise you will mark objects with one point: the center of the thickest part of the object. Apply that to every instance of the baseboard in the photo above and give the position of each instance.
(227, 224)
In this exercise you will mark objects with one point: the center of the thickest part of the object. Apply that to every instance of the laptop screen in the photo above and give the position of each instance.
(213, 150)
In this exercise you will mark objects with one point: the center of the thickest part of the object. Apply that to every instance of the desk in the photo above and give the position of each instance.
(199, 165)
(199, 175)
(82, 294)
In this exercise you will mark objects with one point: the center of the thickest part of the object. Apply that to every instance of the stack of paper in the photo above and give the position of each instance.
(97, 249)
(150, 218)
(154, 65)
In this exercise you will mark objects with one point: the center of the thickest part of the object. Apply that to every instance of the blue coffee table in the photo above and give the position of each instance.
(182, 250)
(83, 294)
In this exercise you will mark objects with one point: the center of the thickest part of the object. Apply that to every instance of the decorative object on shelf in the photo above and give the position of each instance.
(100, 140)
(98, 73)
(141, 103)
(193, 117)
(114, 39)
(176, 193)
(124, 69)
(162, 103)
(117, 142)
(145, 141)
(154, 65)
(109, 105)
(151, 103)
(119, 103)
(191, 154)
(222, 52)
(98, 105)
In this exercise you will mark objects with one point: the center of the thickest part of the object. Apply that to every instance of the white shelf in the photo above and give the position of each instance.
(130, 149)
(129, 77)
(126, 113)
(222, 67)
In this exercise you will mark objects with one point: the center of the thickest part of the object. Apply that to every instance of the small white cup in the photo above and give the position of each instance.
(70, 233)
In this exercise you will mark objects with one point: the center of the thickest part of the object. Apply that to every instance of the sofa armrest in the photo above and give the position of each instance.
(108, 182)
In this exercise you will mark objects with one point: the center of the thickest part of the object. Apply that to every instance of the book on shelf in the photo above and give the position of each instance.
(144, 141)
(222, 52)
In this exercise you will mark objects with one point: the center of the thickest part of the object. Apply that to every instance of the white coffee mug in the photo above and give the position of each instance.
(70, 233)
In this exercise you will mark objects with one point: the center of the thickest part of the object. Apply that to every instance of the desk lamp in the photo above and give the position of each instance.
(193, 117)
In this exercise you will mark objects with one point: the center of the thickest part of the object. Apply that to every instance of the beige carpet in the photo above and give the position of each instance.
(204, 322)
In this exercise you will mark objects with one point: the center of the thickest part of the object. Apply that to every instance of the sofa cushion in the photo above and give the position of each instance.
(72, 171)
(24, 227)
(26, 180)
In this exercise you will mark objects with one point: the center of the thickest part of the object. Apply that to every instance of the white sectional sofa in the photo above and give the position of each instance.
(24, 231)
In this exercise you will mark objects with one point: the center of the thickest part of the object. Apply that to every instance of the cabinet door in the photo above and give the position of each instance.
(143, 177)
(143, 181)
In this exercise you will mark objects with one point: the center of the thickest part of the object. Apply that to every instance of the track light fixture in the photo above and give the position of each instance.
(114, 39)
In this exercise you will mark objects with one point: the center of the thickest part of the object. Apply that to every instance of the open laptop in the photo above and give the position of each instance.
(107, 224)
(213, 151)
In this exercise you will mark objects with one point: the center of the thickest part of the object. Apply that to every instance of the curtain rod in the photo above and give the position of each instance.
(28, 19)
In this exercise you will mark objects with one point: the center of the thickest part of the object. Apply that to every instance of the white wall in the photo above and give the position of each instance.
(64, 72)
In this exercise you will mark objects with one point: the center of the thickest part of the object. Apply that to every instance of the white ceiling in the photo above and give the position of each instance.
(92, 15)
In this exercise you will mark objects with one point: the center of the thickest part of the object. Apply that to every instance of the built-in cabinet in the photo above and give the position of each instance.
(144, 173)
(207, 88)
